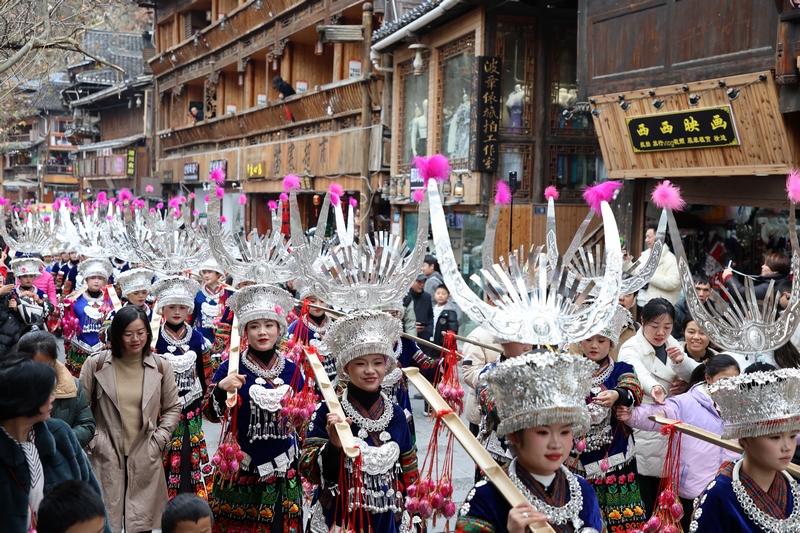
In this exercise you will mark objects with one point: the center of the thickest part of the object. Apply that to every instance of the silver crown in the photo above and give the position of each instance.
(135, 279)
(166, 242)
(263, 259)
(212, 265)
(34, 234)
(95, 266)
(367, 275)
(541, 388)
(86, 229)
(302, 288)
(742, 325)
(361, 333)
(533, 302)
(175, 290)
(613, 328)
(27, 266)
(256, 302)
(759, 403)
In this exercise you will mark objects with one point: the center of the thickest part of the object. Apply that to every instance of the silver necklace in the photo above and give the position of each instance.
(212, 296)
(398, 350)
(174, 344)
(262, 375)
(367, 425)
(313, 327)
(764, 521)
(602, 377)
(555, 515)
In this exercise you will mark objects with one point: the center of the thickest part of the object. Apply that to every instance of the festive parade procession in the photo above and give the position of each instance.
(284, 266)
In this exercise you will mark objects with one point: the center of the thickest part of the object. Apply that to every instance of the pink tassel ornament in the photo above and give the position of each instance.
(220, 192)
(218, 176)
(160, 205)
(56, 203)
(503, 195)
(223, 219)
(273, 205)
(668, 196)
(793, 186)
(174, 203)
(353, 202)
(284, 197)
(419, 195)
(551, 193)
(242, 199)
(291, 182)
(602, 192)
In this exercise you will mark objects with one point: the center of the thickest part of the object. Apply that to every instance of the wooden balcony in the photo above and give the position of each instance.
(336, 100)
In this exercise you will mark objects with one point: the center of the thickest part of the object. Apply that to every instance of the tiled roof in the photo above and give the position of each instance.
(408, 18)
(49, 96)
(121, 49)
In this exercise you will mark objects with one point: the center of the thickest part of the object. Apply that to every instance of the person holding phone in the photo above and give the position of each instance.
(10, 326)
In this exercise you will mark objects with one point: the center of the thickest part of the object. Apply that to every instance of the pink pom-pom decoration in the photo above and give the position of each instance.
(793, 186)
(47, 219)
(438, 168)
(503, 195)
(602, 192)
(353, 201)
(177, 213)
(337, 189)
(192, 195)
(125, 195)
(419, 195)
(551, 193)
(242, 199)
(220, 192)
(291, 182)
(218, 176)
(668, 196)
(174, 203)
(152, 210)
(206, 198)
(56, 203)
(160, 205)
(284, 197)
(279, 309)
(195, 212)
(102, 198)
(112, 201)
(335, 199)
(149, 188)
(223, 219)
(273, 205)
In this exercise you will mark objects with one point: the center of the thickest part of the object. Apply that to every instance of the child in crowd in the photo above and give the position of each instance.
(72, 507)
(187, 513)
(208, 306)
(445, 315)
(89, 310)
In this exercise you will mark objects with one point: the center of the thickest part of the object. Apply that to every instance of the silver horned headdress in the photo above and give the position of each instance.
(34, 232)
(175, 290)
(95, 266)
(541, 388)
(135, 279)
(85, 229)
(27, 266)
(260, 258)
(759, 403)
(256, 302)
(361, 333)
(366, 275)
(533, 301)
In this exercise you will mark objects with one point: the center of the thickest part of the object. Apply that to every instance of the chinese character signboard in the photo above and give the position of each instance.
(256, 169)
(488, 113)
(131, 162)
(218, 163)
(191, 172)
(711, 127)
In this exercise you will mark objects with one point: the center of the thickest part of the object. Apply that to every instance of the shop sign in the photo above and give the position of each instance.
(191, 172)
(488, 113)
(256, 169)
(131, 162)
(218, 163)
(711, 127)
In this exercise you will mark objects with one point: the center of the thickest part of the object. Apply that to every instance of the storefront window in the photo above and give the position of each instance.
(573, 167)
(414, 112)
(518, 158)
(455, 88)
(515, 44)
(564, 88)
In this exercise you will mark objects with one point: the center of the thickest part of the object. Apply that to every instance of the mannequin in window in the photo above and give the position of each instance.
(419, 130)
(514, 104)
(462, 120)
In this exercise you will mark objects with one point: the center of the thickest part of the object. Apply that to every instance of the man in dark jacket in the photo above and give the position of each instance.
(10, 327)
(702, 285)
(422, 309)
(284, 89)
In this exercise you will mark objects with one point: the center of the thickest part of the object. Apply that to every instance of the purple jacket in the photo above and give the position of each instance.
(700, 460)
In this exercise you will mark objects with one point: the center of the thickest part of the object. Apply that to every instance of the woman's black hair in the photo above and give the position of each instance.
(760, 366)
(184, 507)
(713, 366)
(689, 318)
(124, 318)
(25, 386)
(787, 356)
(656, 308)
(38, 342)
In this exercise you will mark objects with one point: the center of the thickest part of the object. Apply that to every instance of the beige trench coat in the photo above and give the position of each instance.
(142, 496)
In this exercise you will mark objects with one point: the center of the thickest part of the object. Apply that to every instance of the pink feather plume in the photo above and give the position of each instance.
(220, 192)
(195, 212)
(46, 219)
(223, 219)
(335, 188)
(668, 196)
(353, 201)
(419, 195)
(793, 186)
(273, 205)
(192, 195)
(602, 192)
(551, 192)
(174, 203)
(291, 182)
(152, 210)
(56, 203)
(206, 198)
(102, 198)
(160, 205)
(335, 199)
(284, 197)
(149, 188)
(177, 213)
(438, 168)
(503, 195)
(217, 175)
(125, 195)
(242, 199)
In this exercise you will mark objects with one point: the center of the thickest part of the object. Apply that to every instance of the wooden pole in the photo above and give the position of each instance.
(366, 115)
(493, 471)
(712, 438)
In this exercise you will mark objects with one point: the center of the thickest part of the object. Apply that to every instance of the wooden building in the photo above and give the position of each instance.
(491, 85)
(219, 104)
(706, 94)
(112, 114)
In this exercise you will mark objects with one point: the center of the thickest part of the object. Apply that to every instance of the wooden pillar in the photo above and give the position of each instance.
(176, 30)
(366, 111)
(338, 61)
(214, 10)
(249, 86)
(221, 96)
(286, 64)
(541, 95)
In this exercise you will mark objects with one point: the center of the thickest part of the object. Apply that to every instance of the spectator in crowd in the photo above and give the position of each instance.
(127, 451)
(430, 267)
(10, 327)
(72, 507)
(423, 309)
(474, 359)
(187, 513)
(666, 281)
(776, 268)
(445, 316)
(696, 344)
(70, 403)
(195, 114)
(45, 282)
(702, 286)
(284, 89)
(37, 452)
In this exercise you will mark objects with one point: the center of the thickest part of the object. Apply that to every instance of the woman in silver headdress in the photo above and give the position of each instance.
(363, 345)
(266, 495)
(762, 411)
(540, 398)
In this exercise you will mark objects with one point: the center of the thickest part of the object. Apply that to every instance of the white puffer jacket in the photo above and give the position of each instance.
(639, 353)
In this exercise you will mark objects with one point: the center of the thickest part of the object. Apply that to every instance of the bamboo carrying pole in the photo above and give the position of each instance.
(334, 406)
(112, 295)
(713, 438)
(493, 471)
(233, 360)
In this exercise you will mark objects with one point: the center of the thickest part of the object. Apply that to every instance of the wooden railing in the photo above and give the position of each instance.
(330, 101)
